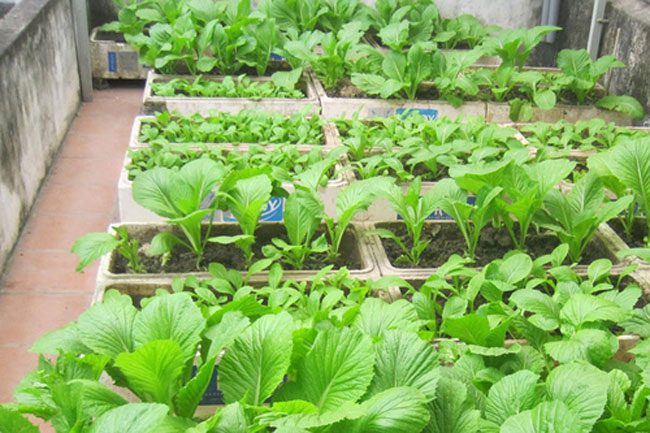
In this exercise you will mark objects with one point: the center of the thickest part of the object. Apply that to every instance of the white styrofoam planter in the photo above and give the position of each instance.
(578, 154)
(203, 105)
(129, 210)
(499, 112)
(112, 59)
(329, 136)
(602, 240)
(334, 107)
(357, 245)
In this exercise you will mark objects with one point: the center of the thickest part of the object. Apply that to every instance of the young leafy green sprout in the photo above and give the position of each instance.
(335, 62)
(352, 200)
(523, 189)
(245, 193)
(574, 216)
(626, 168)
(414, 208)
(92, 246)
(283, 85)
(470, 218)
(185, 197)
(303, 214)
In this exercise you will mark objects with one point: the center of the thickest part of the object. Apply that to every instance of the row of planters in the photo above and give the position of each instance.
(490, 339)
(302, 272)
(524, 345)
(369, 62)
(259, 33)
(503, 178)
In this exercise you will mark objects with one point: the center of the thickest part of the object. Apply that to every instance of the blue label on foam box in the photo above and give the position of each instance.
(112, 61)
(213, 394)
(429, 113)
(273, 211)
(439, 215)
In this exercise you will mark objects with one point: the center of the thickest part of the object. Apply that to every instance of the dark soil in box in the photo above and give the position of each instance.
(447, 240)
(183, 260)
(111, 37)
(636, 238)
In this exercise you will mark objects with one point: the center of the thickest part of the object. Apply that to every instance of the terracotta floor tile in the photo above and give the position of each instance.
(26, 317)
(115, 119)
(75, 199)
(84, 171)
(39, 271)
(94, 145)
(16, 362)
(59, 232)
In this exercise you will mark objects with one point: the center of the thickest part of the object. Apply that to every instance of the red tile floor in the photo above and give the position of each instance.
(40, 290)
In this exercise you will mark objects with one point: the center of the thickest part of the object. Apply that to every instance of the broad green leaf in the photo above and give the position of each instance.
(545, 99)
(303, 213)
(256, 362)
(107, 327)
(630, 163)
(222, 334)
(190, 395)
(453, 411)
(591, 345)
(511, 395)
(371, 84)
(395, 35)
(232, 419)
(97, 399)
(131, 418)
(623, 104)
(92, 246)
(583, 388)
(639, 323)
(335, 371)
(170, 317)
(66, 339)
(547, 417)
(581, 309)
(515, 268)
(154, 370)
(176, 194)
(546, 311)
(399, 409)
(247, 200)
(475, 329)
(153, 190)
(377, 316)
(575, 63)
(298, 414)
(394, 66)
(404, 359)
(14, 422)
(287, 80)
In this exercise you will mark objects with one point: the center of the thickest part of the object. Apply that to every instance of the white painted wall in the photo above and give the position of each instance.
(504, 13)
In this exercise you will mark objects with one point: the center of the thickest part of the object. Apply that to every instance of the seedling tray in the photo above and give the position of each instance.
(203, 105)
(355, 245)
(129, 210)
(602, 242)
